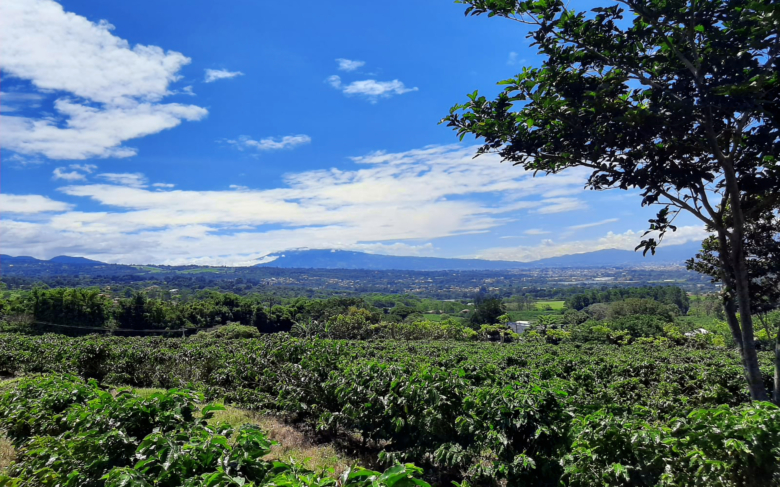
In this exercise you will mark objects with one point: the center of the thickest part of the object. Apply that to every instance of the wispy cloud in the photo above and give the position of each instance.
(213, 75)
(407, 197)
(560, 205)
(594, 224)
(61, 173)
(370, 89)
(12, 101)
(87, 168)
(269, 143)
(164, 185)
(132, 179)
(536, 231)
(30, 204)
(121, 86)
(622, 241)
(514, 59)
(349, 64)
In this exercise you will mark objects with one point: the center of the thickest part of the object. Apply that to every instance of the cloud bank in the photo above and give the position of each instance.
(108, 92)
(392, 202)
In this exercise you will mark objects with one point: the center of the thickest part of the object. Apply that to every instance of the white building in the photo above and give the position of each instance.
(518, 326)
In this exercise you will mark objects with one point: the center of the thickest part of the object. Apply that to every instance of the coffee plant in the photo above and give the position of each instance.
(534, 413)
(71, 433)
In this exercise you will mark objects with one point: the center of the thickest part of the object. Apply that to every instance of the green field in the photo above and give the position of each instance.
(147, 268)
(205, 270)
(556, 305)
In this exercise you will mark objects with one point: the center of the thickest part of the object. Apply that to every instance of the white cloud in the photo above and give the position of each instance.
(14, 101)
(349, 64)
(334, 81)
(391, 198)
(593, 224)
(213, 75)
(29, 204)
(370, 89)
(560, 205)
(60, 173)
(87, 168)
(269, 143)
(622, 241)
(535, 231)
(133, 179)
(18, 160)
(164, 185)
(117, 88)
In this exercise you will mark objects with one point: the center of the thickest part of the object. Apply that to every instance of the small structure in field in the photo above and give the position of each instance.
(518, 326)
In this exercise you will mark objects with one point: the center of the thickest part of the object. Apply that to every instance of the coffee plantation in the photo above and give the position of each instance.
(528, 413)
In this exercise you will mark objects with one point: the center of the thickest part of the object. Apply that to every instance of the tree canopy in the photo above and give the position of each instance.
(675, 98)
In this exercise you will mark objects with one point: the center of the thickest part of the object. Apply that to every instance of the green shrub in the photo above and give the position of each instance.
(233, 331)
(76, 434)
(709, 447)
(639, 325)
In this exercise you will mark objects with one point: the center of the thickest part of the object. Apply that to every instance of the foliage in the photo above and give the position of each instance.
(486, 412)
(643, 307)
(679, 102)
(424, 330)
(487, 310)
(76, 434)
(708, 447)
(234, 331)
(663, 294)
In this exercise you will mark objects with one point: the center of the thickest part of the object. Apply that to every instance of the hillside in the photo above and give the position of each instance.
(341, 259)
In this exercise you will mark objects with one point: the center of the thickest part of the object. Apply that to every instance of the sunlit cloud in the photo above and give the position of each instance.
(108, 92)
(349, 64)
(213, 75)
(621, 241)
(390, 201)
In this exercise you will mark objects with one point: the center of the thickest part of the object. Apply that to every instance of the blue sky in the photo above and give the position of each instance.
(219, 132)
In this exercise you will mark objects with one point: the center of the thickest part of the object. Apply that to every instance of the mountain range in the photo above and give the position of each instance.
(60, 259)
(344, 259)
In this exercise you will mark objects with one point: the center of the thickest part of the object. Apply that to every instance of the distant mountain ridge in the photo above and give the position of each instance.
(60, 259)
(344, 259)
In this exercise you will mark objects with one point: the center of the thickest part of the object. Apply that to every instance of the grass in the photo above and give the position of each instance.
(7, 453)
(150, 269)
(530, 315)
(556, 305)
(293, 444)
(432, 317)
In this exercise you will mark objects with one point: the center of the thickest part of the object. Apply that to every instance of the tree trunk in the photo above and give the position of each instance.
(736, 278)
(731, 319)
(755, 380)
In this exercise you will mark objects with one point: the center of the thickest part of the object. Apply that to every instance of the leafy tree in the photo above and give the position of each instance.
(487, 310)
(679, 101)
(762, 245)
(645, 307)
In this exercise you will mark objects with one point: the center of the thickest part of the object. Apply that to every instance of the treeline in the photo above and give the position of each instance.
(663, 294)
(92, 307)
